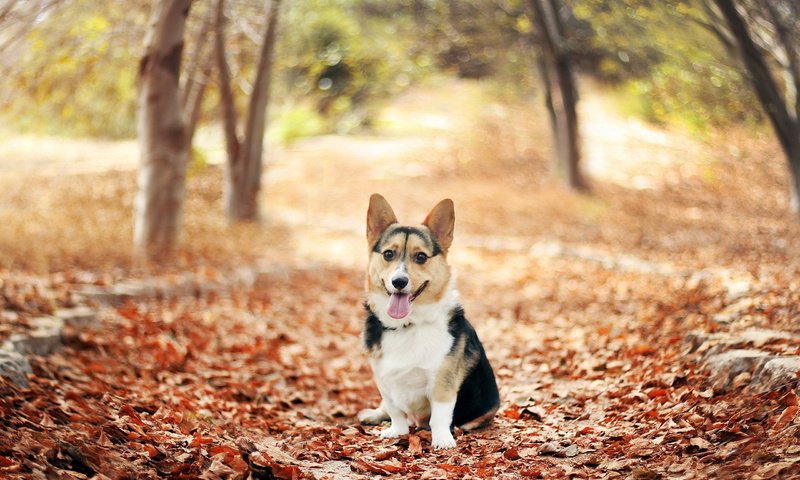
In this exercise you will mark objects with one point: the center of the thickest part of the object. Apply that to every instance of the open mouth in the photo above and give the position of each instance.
(400, 303)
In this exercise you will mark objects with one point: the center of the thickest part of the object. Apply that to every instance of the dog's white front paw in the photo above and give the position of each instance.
(394, 431)
(372, 416)
(443, 440)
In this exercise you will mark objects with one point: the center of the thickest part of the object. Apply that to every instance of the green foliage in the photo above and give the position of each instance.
(337, 60)
(670, 68)
(342, 58)
(77, 74)
(296, 123)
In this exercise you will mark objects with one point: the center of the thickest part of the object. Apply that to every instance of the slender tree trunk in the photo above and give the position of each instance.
(198, 72)
(562, 97)
(244, 169)
(197, 62)
(227, 103)
(193, 107)
(162, 133)
(784, 120)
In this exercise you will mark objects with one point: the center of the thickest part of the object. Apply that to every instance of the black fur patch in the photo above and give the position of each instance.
(373, 329)
(478, 394)
(429, 239)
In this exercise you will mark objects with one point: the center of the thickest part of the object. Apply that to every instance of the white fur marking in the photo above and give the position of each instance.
(441, 417)
(410, 358)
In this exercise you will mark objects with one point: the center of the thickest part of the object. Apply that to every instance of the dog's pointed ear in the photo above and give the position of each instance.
(379, 216)
(441, 220)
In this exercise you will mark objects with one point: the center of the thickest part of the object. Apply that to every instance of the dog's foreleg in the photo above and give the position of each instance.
(441, 418)
(373, 416)
(445, 391)
(399, 421)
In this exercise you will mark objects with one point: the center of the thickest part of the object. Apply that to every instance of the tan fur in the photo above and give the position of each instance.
(379, 216)
(442, 221)
(452, 372)
(435, 271)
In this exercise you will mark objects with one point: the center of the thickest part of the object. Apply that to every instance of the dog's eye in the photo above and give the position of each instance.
(388, 255)
(420, 258)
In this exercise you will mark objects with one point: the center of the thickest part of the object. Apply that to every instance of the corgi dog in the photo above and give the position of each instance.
(428, 363)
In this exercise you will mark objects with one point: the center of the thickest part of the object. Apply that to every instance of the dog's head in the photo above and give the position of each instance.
(408, 264)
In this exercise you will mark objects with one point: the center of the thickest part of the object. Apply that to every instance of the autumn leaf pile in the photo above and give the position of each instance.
(587, 307)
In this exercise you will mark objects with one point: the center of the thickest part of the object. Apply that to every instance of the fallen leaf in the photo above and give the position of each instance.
(511, 454)
(414, 444)
(700, 443)
(786, 417)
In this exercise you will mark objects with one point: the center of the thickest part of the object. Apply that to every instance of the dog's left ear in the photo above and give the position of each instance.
(441, 220)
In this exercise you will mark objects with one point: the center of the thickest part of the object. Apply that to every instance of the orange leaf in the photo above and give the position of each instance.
(128, 411)
(381, 469)
(150, 450)
(657, 392)
(485, 472)
(386, 454)
(460, 469)
(414, 444)
(512, 412)
(531, 472)
(642, 349)
(786, 417)
(511, 454)
(199, 440)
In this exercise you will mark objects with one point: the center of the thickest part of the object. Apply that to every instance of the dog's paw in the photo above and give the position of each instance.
(372, 416)
(443, 440)
(394, 431)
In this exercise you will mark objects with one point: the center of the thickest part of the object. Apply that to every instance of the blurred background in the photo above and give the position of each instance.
(664, 129)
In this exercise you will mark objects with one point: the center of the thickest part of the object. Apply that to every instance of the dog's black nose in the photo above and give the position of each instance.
(399, 282)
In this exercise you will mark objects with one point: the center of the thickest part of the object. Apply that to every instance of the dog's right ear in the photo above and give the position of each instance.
(379, 216)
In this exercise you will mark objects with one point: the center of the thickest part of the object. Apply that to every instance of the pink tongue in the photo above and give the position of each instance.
(399, 305)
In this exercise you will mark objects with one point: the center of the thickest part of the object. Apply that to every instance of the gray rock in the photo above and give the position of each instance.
(571, 451)
(759, 337)
(726, 366)
(79, 317)
(712, 343)
(117, 294)
(15, 367)
(45, 339)
(776, 373)
(101, 295)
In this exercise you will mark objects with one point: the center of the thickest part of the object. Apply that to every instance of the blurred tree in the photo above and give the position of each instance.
(245, 152)
(561, 93)
(765, 33)
(162, 132)
(198, 73)
(66, 66)
(663, 58)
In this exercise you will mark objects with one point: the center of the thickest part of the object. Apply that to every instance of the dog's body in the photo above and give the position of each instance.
(429, 365)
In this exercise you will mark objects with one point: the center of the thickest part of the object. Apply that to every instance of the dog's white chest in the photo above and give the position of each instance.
(410, 359)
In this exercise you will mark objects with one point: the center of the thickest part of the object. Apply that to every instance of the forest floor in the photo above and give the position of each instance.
(604, 315)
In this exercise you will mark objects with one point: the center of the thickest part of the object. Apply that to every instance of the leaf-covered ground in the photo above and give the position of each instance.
(585, 306)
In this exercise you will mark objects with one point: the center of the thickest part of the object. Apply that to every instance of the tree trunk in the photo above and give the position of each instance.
(227, 103)
(194, 105)
(197, 74)
(244, 169)
(162, 133)
(562, 97)
(784, 121)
